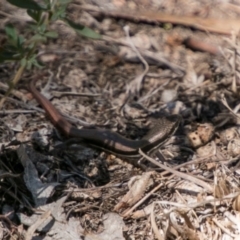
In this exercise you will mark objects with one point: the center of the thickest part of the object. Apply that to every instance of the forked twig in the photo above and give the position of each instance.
(224, 102)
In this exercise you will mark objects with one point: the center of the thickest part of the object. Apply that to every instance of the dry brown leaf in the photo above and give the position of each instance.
(136, 190)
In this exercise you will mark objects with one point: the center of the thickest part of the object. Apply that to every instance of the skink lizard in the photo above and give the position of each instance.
(107, 140)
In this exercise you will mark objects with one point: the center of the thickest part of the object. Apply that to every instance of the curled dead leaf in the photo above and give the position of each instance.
(205, 150)
(234, 147)
(236, 203)
(137, 187)
(228, 134)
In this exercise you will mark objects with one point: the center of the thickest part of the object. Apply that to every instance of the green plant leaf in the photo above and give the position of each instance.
(33, 62)
(11, 32)
(31, 45)
(59, 11)
(29, 65)
(38, 38)
(42, 28)
(23, 62)
(10, 48)
(82, 30)
(27, 4)
(51, 34)
(58, 14)
(33, 26)
(37, 64)
(8, 56)
(64, 2)
(34, 14)
(20, 41)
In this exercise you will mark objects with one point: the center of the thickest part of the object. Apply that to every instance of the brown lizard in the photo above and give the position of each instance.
(107, 140)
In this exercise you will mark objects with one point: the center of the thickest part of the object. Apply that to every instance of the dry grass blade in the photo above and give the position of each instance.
(155, 228)
(179, 174)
